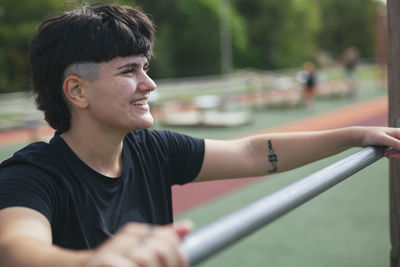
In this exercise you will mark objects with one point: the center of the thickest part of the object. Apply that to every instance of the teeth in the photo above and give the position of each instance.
(140, 102)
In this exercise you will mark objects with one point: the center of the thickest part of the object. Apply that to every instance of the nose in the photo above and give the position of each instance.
(146, 83)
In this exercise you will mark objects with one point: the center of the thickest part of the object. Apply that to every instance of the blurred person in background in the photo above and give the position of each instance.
(99, 192)
(350, 58)
(308, 77)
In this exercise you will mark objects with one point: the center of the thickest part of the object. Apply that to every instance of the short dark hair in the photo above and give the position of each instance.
(96, 33)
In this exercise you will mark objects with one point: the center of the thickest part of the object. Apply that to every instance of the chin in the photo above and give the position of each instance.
(144, 124)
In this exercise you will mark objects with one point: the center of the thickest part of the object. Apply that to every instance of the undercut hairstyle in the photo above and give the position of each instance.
(87, 71)
(70, 42)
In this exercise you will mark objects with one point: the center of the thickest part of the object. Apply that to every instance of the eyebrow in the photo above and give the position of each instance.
(132, 65)
(129, 65)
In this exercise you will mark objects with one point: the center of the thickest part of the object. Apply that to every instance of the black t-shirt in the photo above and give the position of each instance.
(84, 207)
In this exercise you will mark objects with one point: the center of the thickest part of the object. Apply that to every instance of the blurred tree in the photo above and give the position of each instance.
(347, 23)
(188, 41)
(18, 20)
(266, 34)
(282, 33)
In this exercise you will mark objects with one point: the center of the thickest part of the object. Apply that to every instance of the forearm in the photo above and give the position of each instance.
(281, 152)
(26, 251)
(278, 152)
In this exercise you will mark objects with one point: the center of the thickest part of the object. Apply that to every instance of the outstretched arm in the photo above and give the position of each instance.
(278, 152)
(25, 240)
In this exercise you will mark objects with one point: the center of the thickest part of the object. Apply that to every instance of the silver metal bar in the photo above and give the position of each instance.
(214, 237)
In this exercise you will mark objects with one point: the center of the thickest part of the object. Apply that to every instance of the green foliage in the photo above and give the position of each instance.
(188, 40)
(281, 32)
(18, 21)
(348, 23)
(266, 34)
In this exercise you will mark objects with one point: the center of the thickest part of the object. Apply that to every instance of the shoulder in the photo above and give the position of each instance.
(31, 153)
(162, 138)
(144, 134)
(38, 157)
(26, 179)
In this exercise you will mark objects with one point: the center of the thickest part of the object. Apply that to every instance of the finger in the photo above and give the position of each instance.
(157, 246)
(143, 255)
(165, 251)
(153, 246)
(155, 252)
(169, 239)
(111, 260)
(135, 228)
(138, 230)
(395, 132)
(392, 154)
(149, 233)
(386, 139)
(119, 261)
(183, 228)
(122, 242)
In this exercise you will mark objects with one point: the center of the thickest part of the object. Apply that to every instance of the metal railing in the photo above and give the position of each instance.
(216, 236)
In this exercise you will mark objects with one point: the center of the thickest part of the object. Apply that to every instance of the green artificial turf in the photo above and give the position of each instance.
(346, 226)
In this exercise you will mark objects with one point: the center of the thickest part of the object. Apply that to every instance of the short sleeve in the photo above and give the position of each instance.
(22, 185)
(185, 156)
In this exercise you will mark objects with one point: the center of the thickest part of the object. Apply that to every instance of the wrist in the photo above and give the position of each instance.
(356, 136)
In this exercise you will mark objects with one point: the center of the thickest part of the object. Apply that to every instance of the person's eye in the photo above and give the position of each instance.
(129, 71)
(146, 69)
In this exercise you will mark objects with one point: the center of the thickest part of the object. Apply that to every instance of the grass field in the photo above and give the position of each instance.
(348, 226)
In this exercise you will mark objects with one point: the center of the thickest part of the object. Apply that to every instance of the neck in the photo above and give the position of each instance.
(101, 150)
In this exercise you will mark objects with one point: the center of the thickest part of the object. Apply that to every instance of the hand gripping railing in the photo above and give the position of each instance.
(212, 238)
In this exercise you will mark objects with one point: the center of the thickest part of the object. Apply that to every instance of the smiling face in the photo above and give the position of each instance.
(117, 99)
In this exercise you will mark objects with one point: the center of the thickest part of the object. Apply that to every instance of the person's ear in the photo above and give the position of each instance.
(75, 91)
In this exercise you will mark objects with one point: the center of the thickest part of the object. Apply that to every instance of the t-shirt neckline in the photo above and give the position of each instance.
(57, 139)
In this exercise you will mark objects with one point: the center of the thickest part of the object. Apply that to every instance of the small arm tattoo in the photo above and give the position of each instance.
(272, 158)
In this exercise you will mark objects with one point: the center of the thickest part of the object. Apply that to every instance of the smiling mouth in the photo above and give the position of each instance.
(139, 102)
